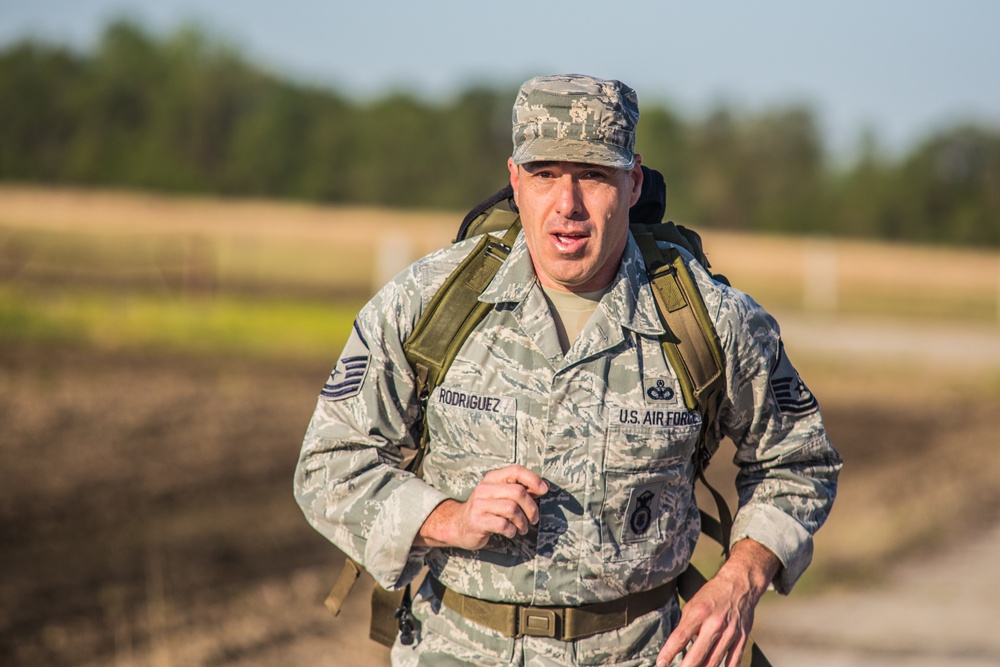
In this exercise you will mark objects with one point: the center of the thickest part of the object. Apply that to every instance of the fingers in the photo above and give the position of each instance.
(508, 499)
(511, 518)
(503, 503)
(707, 650)
(712, 631)
(713, 649)
(736, 652)
(675, 643)
(518, 474)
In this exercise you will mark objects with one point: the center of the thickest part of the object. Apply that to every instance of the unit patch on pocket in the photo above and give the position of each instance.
(642, 514)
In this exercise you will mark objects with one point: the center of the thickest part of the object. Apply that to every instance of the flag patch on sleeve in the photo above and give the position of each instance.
(349, 373)
(789, 391)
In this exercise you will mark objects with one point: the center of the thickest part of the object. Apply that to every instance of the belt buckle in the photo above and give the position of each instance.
(537, 622)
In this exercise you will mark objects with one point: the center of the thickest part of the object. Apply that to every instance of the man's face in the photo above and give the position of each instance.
(575, 219)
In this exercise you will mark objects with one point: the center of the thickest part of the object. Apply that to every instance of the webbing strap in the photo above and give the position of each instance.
(450, 317)
(383, 627)
(691, 344)
(440, 332)
(455, 311)
(342, 588)
(694, 351)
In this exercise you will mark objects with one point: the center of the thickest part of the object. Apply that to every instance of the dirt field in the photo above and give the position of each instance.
(146, 513)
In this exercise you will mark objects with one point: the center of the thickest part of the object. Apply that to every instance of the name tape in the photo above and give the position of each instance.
(502, 405)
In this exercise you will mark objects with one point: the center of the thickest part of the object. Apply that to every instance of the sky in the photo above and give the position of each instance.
(898, 68)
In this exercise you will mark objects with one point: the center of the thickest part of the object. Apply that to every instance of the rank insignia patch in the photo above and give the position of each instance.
(349, 374)
(790, 392)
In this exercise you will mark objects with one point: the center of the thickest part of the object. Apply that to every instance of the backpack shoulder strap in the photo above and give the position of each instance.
(691, 345)
(690, 342)
(494, 214)
(455, 310)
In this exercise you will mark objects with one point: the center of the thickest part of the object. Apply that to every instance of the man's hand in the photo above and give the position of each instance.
(718, 618)
(503, 503)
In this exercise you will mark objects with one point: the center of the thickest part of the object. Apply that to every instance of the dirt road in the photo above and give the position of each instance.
(939, 610)
(957, 345)
(935, 608)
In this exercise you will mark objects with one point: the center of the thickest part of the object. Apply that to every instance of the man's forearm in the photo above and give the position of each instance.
(436, 529)
(754, 563)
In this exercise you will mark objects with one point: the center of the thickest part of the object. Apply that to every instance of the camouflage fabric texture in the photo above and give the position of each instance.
(575, 118)
(604, 424)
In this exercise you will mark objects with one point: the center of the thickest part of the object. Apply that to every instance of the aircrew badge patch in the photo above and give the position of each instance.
(349, 373)
(790, 393)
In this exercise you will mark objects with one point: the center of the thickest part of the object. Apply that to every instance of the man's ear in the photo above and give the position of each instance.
(635, 175)
(515, 176)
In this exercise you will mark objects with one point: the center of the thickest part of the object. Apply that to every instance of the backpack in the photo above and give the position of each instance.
(690, 344)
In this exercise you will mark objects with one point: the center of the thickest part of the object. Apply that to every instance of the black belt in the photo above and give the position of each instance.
(564, 623)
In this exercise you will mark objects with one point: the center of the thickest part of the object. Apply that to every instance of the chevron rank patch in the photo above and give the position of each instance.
(349, 374)
(789, 391)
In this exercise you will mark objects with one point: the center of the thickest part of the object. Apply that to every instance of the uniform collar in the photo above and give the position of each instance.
(629, 302)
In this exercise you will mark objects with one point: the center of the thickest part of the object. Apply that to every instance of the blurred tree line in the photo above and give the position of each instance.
(187, 113)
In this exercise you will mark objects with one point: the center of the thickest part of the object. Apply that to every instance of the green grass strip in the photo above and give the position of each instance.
(280, 328)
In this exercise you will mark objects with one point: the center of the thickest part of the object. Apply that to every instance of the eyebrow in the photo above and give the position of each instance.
(533, 166)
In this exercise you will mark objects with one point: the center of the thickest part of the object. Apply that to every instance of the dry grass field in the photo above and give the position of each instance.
(159, 360)
(199, 244)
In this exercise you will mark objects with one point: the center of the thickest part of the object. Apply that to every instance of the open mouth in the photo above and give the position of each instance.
(570, 241)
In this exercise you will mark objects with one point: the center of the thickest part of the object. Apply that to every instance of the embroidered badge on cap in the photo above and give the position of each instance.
(349, 374)
(642, 513)
(790, 392)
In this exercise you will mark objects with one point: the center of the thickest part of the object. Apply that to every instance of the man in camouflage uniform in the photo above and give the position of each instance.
(559, 471)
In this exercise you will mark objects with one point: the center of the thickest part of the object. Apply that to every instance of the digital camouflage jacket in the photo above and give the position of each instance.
(605, 425)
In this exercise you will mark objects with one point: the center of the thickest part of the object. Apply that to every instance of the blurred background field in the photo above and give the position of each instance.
(189, 221)
(161, 357)
(130, 269)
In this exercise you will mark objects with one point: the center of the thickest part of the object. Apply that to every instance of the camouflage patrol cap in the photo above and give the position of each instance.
(575, 118)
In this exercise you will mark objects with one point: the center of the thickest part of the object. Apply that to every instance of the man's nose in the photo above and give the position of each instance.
(568, 199)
